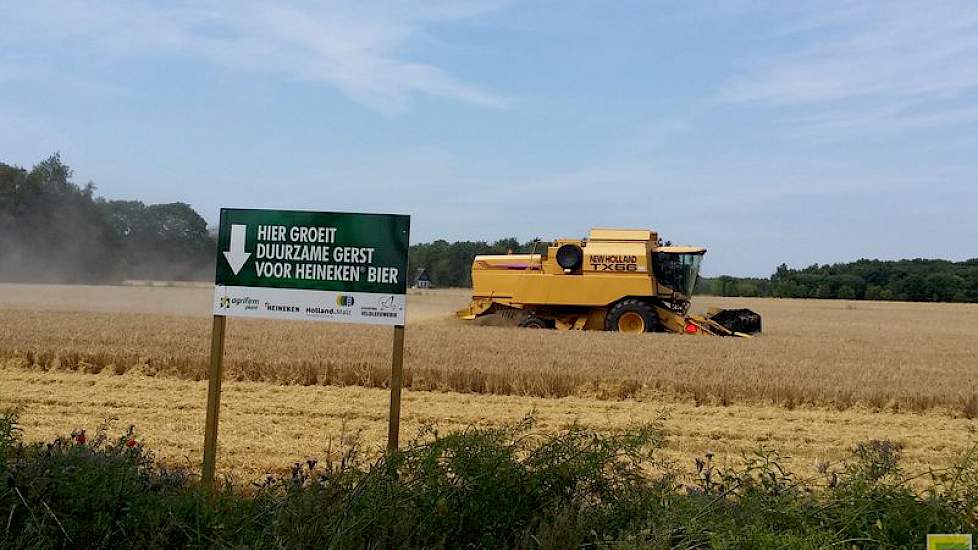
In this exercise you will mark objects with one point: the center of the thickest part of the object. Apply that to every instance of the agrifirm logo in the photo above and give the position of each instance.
(246, 302)
(948, 542)
(344, 301)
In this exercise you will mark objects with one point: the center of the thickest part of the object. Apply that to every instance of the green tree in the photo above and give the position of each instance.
(874, 292)
(53, 230)
(942, 287)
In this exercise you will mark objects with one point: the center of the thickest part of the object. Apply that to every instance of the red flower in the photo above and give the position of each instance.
(130, 443)
(80, 437)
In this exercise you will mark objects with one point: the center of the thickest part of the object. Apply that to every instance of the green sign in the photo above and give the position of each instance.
(312, 265)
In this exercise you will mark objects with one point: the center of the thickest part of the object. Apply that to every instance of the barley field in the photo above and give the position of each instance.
(837, 354)
(823, 376)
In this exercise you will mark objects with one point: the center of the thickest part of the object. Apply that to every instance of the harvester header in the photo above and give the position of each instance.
(615, 279)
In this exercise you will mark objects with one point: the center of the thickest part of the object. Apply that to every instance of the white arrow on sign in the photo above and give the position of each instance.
(236, 254)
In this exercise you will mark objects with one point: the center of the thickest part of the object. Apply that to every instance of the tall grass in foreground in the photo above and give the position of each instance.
(479, 488)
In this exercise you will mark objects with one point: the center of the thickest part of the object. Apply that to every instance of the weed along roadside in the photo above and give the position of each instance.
(298, 265)
(508, 486)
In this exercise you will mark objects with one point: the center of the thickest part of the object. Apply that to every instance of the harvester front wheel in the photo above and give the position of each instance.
(631, 316)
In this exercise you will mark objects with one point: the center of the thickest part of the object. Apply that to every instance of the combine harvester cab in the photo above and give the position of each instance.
(616, 279)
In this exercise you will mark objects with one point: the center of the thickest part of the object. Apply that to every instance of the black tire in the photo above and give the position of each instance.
(631, 310)
(533, 322)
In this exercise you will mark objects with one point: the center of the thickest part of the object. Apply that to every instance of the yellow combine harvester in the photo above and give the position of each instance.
(616, 279)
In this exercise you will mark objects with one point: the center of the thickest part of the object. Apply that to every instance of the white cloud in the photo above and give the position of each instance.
(900, 64)
(357, 49)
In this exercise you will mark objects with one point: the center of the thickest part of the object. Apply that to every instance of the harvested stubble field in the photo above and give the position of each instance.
(824, 375)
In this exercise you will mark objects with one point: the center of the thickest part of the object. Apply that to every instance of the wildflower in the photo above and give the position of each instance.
(130, 443)
(79, 437)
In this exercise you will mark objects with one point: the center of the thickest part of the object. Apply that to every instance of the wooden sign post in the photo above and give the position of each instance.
(310, 266)
(214, 376)
(397, 381)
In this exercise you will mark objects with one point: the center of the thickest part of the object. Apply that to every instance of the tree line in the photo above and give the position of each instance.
(450, 264)
(917, 280)
(54, 230)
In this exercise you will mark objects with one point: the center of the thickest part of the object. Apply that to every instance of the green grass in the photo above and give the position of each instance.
(479, 488)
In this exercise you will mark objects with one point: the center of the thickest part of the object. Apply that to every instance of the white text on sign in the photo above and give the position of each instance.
(297, 233)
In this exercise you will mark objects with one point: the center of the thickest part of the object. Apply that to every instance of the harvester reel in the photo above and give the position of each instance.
(502, 317)
(743, 321)
(631, 316)
(570, 256)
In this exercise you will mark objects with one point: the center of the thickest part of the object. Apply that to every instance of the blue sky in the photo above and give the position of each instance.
(774, 131)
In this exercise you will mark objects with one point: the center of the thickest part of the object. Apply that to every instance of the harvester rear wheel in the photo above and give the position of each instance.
(631, 316)
(533, 322)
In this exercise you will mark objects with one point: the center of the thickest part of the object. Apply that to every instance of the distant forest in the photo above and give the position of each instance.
(917, 280)
(56, 231)
(450, 264)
